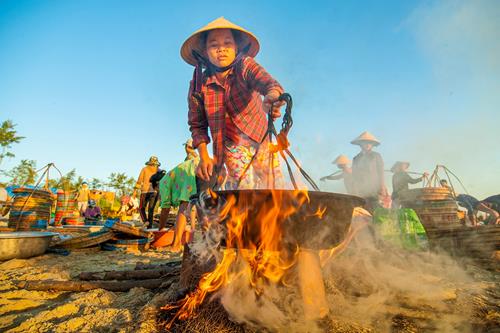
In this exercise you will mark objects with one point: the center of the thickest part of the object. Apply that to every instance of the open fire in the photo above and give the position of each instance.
(269, 232)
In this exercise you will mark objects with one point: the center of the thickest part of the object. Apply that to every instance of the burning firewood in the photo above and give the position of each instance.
(141, 265)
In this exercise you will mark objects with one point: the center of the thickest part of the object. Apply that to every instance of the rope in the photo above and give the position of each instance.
(46, 171)
(449, 180)
(456, 177)
(435, 179)
(30, 195)
(282, 146)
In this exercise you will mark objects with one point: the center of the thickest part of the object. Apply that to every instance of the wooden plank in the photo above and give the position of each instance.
(81, 286)
(131, 275)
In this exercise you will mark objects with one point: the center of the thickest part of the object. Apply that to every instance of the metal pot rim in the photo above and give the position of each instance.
(26, 234)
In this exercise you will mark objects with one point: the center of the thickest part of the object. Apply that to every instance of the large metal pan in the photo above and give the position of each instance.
(319, 222)
(21, 245)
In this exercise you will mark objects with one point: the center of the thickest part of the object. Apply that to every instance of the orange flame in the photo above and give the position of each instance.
(255, 236)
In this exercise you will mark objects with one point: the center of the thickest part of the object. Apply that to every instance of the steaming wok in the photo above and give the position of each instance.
(304, 227)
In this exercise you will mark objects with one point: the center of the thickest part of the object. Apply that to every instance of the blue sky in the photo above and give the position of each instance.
(99, 85)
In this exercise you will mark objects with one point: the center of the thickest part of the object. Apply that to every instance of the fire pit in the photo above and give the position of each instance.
(314, 220)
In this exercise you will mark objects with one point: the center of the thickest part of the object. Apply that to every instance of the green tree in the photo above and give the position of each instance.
(96, 183)
(122, 183)
(8, 136)
(22, 174)
(68, 182)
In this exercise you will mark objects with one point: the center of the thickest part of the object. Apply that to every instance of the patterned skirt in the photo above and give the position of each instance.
(178, 184)
(264, 172)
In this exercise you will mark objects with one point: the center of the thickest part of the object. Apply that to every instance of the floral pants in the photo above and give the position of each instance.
(261, 174)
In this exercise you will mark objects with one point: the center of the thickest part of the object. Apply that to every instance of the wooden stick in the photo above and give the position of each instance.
(141, 265)
(48, 285)
(131, 275)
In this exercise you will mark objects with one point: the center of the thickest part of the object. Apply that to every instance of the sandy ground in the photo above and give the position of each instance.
(475, 302)
(371, 294)
(95, 311)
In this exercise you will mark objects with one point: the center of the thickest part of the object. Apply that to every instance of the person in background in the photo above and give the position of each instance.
(176, 187)
(444, 183)
(129, 204)
(401, 181)
(493, 202)
(4, 201)
(93, 212)
(344, 173)
(155, 182)
(82, 197)
(368, 172)
(473, 206)
(148, 194)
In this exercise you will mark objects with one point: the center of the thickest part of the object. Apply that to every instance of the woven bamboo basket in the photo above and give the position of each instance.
(129, 230)
(92, 239)
(66, 206)
(426, 194)
(30, 209)
(108, 246)
(73, 220)
(70, 231)
(477, 241)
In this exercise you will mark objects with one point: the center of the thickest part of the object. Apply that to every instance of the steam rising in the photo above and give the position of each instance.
(366, 286)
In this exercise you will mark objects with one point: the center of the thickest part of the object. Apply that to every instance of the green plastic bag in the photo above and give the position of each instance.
(413, 234)
(400, 227)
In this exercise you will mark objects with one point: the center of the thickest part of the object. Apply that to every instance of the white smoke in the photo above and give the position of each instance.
(367, 286)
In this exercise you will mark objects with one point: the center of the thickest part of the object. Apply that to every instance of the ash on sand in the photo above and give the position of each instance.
(371, 287)
(94, 311)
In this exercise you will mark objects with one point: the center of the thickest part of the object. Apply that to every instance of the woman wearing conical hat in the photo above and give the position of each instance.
(368, 171)
(344, 173)
(401, 180)
(225, 97)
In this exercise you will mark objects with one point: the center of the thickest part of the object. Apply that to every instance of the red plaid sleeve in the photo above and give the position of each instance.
(257, 77)
(197, 119)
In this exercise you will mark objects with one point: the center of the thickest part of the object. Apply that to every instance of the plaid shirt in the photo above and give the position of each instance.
(239, 97)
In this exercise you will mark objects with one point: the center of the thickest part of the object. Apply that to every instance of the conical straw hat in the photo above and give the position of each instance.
(153, 160)
(366, 137)
(342, 159)
(397, 164)
(194, 42)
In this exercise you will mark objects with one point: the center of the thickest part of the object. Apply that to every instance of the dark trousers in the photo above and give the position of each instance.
(148, 202)
(372, 203)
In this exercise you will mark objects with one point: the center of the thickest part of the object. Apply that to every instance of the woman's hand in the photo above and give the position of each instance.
(271, 100)
(205, 168)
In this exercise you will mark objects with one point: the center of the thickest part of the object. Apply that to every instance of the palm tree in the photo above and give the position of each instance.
(8, 136)
(122, 183)
(22, 174)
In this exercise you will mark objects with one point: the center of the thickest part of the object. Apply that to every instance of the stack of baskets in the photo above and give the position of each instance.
(437, 210)
(66, 207)
(30, 209)
(127, 238)
(113, 236)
